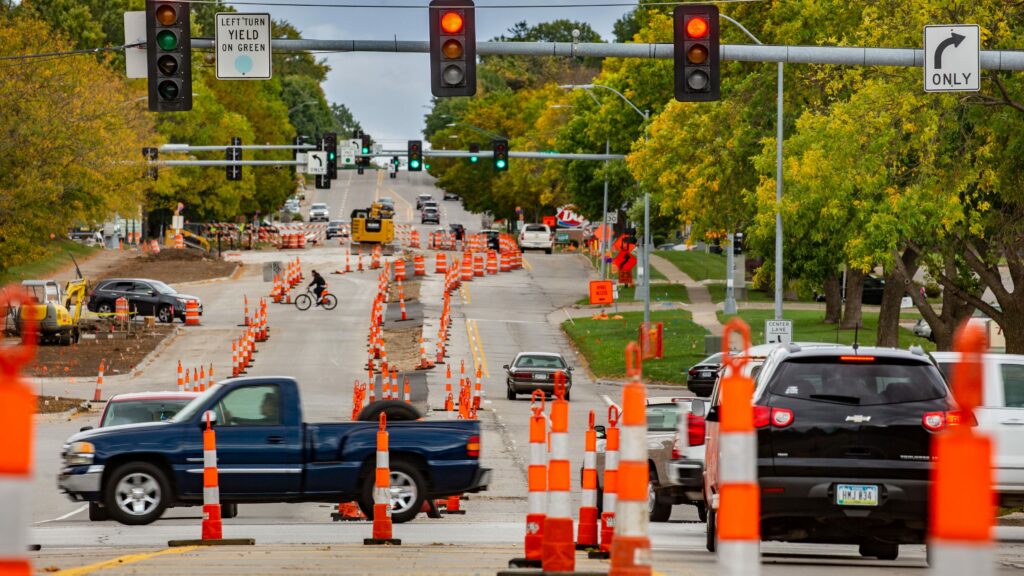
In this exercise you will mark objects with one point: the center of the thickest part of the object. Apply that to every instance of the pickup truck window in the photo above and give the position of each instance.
(251, 406)
(662, 417)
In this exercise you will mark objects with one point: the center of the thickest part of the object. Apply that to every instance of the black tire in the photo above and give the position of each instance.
(568, 394)
(303, 302)
(229, 510)
(702, 511)
(880, 550)
(547, 251)
(149, 478)
(711, 532)
(97, 513)
(396, 410)
(410, 508)
(104, 308)
(165, 314)
(662, 508)
(330, 302)
(510, 393)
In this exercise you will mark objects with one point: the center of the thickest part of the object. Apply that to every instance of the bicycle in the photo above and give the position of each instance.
(327, 301)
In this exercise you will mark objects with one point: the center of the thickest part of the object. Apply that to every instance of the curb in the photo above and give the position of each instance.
(239, 269)
(145, 362)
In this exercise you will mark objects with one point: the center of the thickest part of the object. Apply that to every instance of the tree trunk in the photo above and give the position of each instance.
(833, 300)
(854, 290)
(1013, 331)
(896, 286)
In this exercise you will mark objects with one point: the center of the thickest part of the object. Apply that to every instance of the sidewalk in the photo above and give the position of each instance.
(705, 312)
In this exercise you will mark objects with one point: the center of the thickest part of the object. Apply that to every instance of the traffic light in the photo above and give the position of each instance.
(697, 75)
(234, 154)
(331, 147)
(169, 54)
(500, 148)
(366, 143)
(474, 149)
(452, 48)
(151, 155)
(415, 152)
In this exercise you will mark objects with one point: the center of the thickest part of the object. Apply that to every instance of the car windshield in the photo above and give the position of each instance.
(162, 288)
(861, 383)
(137, 411)
(189, 411)
(531, 361)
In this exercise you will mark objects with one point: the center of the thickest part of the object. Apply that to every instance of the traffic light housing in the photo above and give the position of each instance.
(474, 149)
(323, 181)
(331, 147)
(500, 148)
(697, 75)
(452, 48)
(366, 143)
(233, 154)
(169, 55)
(151, 155)
(415, 152)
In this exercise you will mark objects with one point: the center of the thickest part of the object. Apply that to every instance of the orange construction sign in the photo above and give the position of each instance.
(602, 292)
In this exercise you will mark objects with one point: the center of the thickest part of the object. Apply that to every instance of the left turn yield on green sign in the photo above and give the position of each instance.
(243, 46)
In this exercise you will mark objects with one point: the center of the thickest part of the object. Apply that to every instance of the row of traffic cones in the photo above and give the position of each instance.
(200, 379)
(283, 284)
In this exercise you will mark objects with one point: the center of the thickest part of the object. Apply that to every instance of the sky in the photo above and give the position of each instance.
(390, 93)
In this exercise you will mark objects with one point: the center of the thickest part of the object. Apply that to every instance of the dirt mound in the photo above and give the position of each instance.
(56, 405)
(121, 353)
(174, 266)
(171, 255)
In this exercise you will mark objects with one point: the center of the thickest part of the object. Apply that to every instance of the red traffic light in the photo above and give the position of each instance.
(452, 22)
(697, 27)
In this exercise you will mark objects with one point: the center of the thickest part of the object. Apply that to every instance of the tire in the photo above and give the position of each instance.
(711, 532)
(547, 250)
(408, 490)
(702, 511)
(97, 513)
(880, 550)
(229, 510)
(165, 314)
(660, 509)
(568, 393)
(104, 308)
(510, 393)
(303, 302)
(396, 410)
(151, 482)
(330, 302)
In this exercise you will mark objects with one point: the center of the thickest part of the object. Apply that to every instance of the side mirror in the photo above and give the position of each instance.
(569, 368)
(505, 366)
(712, 415)
(698, 407)
(209, 414)
(84, 428)
(602, 433)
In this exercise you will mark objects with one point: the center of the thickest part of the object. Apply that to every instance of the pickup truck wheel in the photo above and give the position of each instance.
(711, 534)
(660, 508)
(408, 489)
(229, 510)
(396, 410)
(97, 513)
(136, 493)
(702, 511)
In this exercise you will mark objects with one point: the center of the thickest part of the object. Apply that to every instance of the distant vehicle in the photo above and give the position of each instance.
(291, 207)
(493, 238)
(430, 204)
(872, 292)
(843, 446)
(430, 215)
(924, 330)
(421, 199)
(145, 298)
(138, 471)
(319, 212)
(530, 371)
(451, 196)
(336, 229)
(701, 377)
(387, 201)
(537, 237)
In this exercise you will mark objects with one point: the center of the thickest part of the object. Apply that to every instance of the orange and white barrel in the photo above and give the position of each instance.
(586, 535)
(192, 313)
(478, 264)
(212, 529)
(467, 267)
(492, 263)
(611, 481)
(442, 264)
(631, 546)
(419, 265)
(559, 550)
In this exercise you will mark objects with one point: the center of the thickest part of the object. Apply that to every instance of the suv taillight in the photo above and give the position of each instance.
(777, 417)
(936, 421)
(473, 447)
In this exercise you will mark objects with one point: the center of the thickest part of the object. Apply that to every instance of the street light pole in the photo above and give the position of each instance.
(604, 214)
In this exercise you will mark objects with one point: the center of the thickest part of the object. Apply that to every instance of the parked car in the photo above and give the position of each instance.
(924, 330)
(265, 453)
(145, 298)
(336, 229)
(291, 206)
(843, 445)
(319, 212)
(421, 199)
(665, 487)
(871, 293)
(537, 237)
(701, 377)
(430, 215)
(530, 371)
(1001, 416)
(451, 196)
(493, 238)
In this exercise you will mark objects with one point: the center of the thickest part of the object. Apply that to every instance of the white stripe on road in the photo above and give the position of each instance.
(610, 402)
(64, 517)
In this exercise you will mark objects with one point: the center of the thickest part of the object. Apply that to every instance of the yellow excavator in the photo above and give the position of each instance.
(57, 312)
(373, 226)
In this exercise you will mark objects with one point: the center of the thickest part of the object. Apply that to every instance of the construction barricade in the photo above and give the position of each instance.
(191, 313)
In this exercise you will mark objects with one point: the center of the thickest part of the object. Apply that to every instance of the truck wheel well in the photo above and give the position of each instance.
(653, 472)
(154, 459)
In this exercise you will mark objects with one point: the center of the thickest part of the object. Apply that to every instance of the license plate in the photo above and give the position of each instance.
(857, 495)
(540, 376)
(705, 374)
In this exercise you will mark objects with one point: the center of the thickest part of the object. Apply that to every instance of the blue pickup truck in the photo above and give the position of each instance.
(265, 453)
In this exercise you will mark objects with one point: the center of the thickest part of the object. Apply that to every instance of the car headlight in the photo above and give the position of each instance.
(79, 454)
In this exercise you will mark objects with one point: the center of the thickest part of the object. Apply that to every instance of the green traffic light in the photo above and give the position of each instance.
(501, 164)
(167, 40)
(427, 166)
(474, 159)
(330, 155)
(414, 164)
(366, 150)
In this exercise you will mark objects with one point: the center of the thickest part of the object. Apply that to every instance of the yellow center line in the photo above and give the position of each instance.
(376, 192)
(464, 291)
(472, 347)
(398, 198)
(121, 561)
(480, 347)
(527, 264)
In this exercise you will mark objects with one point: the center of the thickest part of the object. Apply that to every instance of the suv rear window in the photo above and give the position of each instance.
(536, 228)
(862, 383)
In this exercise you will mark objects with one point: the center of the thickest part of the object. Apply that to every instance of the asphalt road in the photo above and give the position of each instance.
(494, 318)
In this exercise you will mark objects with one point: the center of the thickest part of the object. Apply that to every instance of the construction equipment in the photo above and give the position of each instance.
(58, 311)
(373, 226)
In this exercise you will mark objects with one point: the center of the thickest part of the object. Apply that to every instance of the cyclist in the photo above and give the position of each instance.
(319, 285)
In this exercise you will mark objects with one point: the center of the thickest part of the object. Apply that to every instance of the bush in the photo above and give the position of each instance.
(297, 218)
(932, 290)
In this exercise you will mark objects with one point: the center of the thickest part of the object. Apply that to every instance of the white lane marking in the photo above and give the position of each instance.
(610, 402)
(64, 517)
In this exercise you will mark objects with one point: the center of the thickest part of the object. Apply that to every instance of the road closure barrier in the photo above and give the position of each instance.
(382, 492)
(963, 510)
(738, 518)
(586, 535)
(631, 546)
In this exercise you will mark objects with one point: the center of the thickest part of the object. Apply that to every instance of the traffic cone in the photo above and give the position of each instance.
(188, 383)
(477, 390)
(99, 384)
(234, 359)
(611, 484)
(537, 481)
(212, 529)
(246, 319)
(558, 552)
(407, 393)
(181, 378)
(201, 382)
(586, 536)
(210, 376)
(382, 492)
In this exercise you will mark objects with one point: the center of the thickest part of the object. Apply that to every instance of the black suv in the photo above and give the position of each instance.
(145, 298)
(843, 445)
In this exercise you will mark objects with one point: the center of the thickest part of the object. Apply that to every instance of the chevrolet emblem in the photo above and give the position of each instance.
(858, 419)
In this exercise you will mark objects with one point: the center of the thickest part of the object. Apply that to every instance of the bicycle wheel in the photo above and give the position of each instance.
(303, 301)
(330, 301)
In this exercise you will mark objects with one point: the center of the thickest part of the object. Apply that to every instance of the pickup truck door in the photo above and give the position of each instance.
(258, 452)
